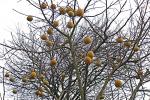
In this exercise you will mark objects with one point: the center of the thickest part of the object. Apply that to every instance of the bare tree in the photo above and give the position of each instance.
(98, 51)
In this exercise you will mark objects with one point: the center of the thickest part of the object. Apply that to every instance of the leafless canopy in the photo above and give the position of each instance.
(72, 78)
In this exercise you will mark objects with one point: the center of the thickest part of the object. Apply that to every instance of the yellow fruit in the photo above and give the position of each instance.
(43, 5)
(118, 83)
(24, 79)
(12, 79)
(39, 93)
(7, 74)
(40, 89)
(119, 40)
(71, 13)
(45, 82)
(44, 37)
(79, 12)
(98, 62)
(50, 31)
(14, 91)
(136, 48)
(127, 44)
(140, 72)
(29, 18)
(49, 43)
(55, 23)
(90, 54)
(62, 10)
(81, 55)
(53, 6)
(53, 62)
(88, 60)
(62, 76)
(70, 24)
(87, 40)
(33, 75)
(41, 77)
(68, 8)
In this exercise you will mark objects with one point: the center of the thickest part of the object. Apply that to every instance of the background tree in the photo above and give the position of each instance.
(98, 51)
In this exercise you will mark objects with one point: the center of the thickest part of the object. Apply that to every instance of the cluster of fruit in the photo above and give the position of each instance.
(28, 78)
(127, 44)
(62, 11)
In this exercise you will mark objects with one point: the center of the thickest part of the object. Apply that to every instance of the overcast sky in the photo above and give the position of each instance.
(9, 19)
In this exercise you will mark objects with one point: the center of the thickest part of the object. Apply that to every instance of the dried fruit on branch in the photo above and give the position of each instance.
(136, 48)
(14, 91)
(71, 13)
(53, 6)
(90, 54)
(7, 74)
(43, 5)
(62, 10)
(55, 23)
(127, 44)
(119, 40)
(49, 43)
(88, 60)
(118, 83)
(53, 62)
(70, 24)
(29, 18)
(44, 37)
(33, 75)
(79, 12)
(50, 31)
(68, 8)
(87, 40)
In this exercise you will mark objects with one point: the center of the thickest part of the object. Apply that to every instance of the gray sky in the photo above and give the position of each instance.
(9, 19)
